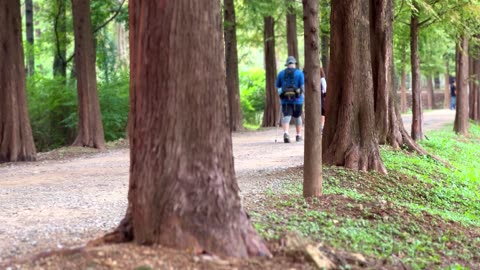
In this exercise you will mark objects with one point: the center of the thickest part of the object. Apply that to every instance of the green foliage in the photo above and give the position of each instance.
(252, 96)
(53, 109)
(422, 213)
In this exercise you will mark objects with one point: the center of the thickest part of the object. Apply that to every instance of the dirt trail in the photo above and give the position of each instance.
(51, 204)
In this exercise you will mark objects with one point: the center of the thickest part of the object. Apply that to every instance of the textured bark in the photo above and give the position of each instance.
(430, 93)
(381, 48)
(446, 91)
(16, 140)
(312, 177)
(403, 91)
(29, 29)
(231, 57)
(461, 117)
(122, 44)
(325, 39)
(271, 115)
(183, 192)
(350, 138)
(292, 41)
(417, 110)
(395, 134)
(60, 29)
(90, 128)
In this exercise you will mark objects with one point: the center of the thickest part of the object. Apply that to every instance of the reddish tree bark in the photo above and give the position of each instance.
(471, 86)
(271, 115)
(446, 91)
(16, 140)
(312, 177)
(461, 117)
(350, 139)
(183, 193)
(417, 111)
(476, 89)
(231, 57)
(90, 128)
(292, 40)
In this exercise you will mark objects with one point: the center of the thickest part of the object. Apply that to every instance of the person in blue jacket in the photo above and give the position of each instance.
(291, 88)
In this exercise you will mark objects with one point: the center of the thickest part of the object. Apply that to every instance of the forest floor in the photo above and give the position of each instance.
(73, 195)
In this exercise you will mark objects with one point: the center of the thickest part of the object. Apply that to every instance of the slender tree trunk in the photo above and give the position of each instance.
(430, 93)
(60, 32)
(350, 138)
(325, 39)
(446, 92)
(271, 115)
(292, 41)
(30, 38)
(476, 105)
(461, 117)
(184, 195)
(471, 87)
(90, 128)
(16, 140)
(403, 91)
(312, 177)
(122, 44)
(231, 56)
(417, 111)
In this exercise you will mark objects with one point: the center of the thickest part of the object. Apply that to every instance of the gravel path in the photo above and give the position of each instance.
(50, 204)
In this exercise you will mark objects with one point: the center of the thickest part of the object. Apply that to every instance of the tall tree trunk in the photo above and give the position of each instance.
(382, 35)
(461, 117)
(446, 91)
(350, 138)
(312, 177)
(16, 140)
(417, 111)
(122, 44)
(231, 57)
(476, 104)
(30, 38)
(271, 115)
(381, 49)
(60, 31)
(403, 91)
(471, 87)
(183, 192)
(430, 93)
(292, 41)
(90, 128)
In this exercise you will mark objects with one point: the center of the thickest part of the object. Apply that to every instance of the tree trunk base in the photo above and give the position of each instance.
(250, 240)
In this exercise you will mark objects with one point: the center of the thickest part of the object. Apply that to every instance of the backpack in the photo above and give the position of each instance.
(289, 92)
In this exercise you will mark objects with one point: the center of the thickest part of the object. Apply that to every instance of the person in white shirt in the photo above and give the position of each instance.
(323, 87)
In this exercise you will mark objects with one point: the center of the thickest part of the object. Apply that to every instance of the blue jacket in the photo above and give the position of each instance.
(299, 83)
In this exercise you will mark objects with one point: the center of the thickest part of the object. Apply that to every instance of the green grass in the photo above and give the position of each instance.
(423, 213)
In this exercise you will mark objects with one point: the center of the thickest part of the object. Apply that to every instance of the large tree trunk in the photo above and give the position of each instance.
(271, 115)
(382, 35)
(292, 41)
(476, 97)
(446, 91)
(122, 44)
(231, 56)
(30, 38)
(417, 111)
(183, 193)
(430, 93)
(381, 49)
(90, 128)
(461, 117)
(350, 137)
(312, 177)
(16, 140)
(60, 31)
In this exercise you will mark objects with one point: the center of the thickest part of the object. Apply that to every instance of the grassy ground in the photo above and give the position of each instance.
(421, 215)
